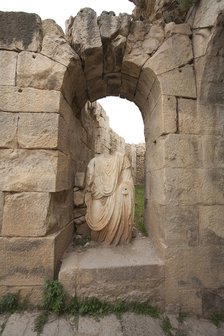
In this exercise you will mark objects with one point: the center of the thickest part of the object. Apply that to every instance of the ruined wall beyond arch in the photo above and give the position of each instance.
(174, 74)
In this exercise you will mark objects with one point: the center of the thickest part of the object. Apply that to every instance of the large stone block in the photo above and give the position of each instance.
(34, 170)
(128, 275)
(8, 60)
(183, 151)
(26, 214)
(179, 82)
(8, 126)
(182, 185)
(207, 13)
(43, 130)
(26, 261)
(85, 39)
(175, 52)
(29, 261)
(213, 151)
(175, 151)
(200, 40)
(14, 99)
(38, 71)
(33, 214)
(200, 118)
(211, 225)
(183, 267)
(20, 31)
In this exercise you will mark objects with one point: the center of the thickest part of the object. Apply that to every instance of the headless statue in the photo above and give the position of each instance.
(110, 199)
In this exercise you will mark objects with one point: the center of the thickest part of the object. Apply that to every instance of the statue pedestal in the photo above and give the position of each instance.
(132, 272)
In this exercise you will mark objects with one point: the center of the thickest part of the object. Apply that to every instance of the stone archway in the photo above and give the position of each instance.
(42, 94)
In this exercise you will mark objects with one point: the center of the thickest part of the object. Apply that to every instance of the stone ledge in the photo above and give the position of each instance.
(134, 273)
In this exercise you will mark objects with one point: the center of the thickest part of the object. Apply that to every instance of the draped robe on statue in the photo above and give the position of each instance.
(110, 199)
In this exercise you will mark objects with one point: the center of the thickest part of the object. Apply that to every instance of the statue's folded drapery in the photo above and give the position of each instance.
(110, 199)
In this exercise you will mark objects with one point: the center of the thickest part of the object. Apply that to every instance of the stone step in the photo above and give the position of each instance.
(132, 272)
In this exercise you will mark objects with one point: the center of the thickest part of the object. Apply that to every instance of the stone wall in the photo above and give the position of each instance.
(174, 73)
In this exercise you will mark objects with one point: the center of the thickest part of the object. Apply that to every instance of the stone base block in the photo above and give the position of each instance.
(29, 261)
(132, 273)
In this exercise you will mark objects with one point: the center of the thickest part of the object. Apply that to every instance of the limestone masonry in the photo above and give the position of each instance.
(169, 61)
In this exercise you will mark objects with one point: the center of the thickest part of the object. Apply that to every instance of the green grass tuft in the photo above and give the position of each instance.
(11, 303)
(40, 322)
(139, 210)
(217, 319)
(166, 326)
(53, 297)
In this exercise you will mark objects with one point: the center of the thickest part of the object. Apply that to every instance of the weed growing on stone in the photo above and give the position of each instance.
(217, 319)
(139, 210)
(166, 326)
(11, 302)
(53, 297)
(40, 322)
(94, 307)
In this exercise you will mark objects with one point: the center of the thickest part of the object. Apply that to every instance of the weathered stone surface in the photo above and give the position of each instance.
(128, 86)
(183, 151)
(169, 116)
(212, 303)
(14, 99)
(200, 118)
(177, 151)
(140, 325)
(38, 130)
(176, 51)
(8, 60)
(173, 28)
(109, 325)
(183, 267)
(80, 179)
(26, 261)
(20, 31)
(109, 25)
(8, 126)
(34, 214)
(206, 13)
(211, 225)
(201, 38)
(117, 275)
(34, 170)
(199, 327)
(132, 64)
(26, 214)
(181, 225)
(212, 88)
(78, 198)
(1, 209)
(20, 324)
(213, 151)
(85, 39)
(58, 326)
(33, 294)
(181, 185)
(178, 82)
(38, 71)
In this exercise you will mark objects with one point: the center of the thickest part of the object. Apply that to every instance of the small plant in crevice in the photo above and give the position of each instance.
(11, 303)
(53, 297)
(166, 326)
(217, 319)
(81, 240)
(40, 322)
(53, 301)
